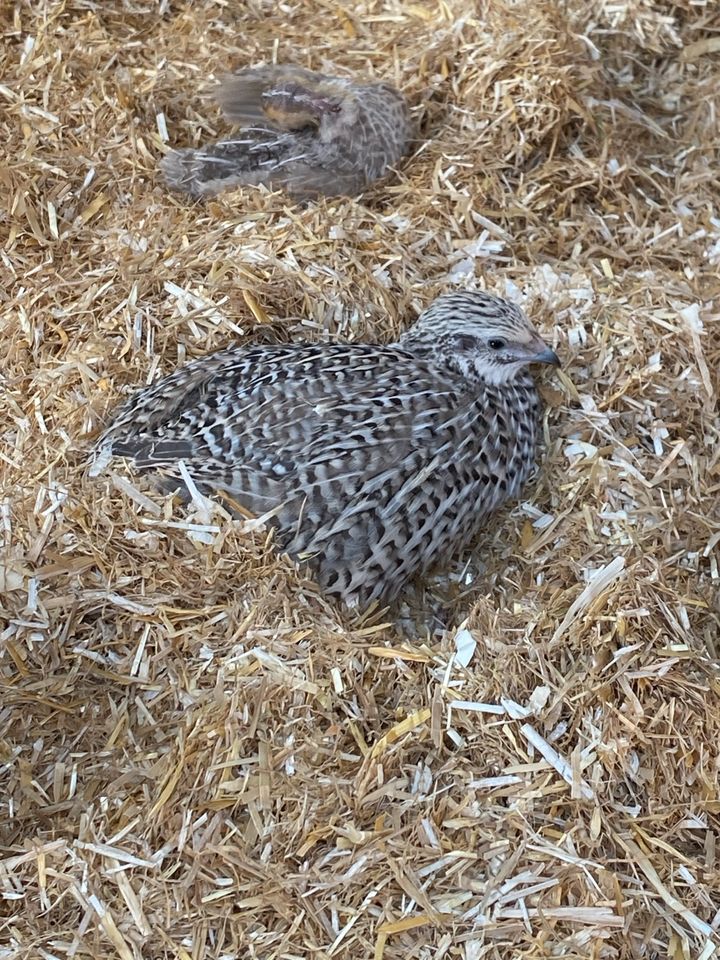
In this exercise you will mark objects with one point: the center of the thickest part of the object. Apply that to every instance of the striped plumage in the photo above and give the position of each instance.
(380, 461)
(306, 132)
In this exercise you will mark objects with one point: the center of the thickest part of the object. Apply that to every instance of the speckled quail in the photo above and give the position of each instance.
(380, 462)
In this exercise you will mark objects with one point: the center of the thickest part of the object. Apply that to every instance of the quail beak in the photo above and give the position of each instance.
(546, 355)
(326, 104)
(535, 350)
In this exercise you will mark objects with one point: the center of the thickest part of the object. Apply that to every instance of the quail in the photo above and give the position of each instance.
(377, 462)
(305, 132)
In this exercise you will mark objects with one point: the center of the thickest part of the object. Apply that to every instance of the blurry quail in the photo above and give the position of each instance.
(380, 462)
(305, 132)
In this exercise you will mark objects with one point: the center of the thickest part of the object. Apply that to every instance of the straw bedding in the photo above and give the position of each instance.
(200, 757)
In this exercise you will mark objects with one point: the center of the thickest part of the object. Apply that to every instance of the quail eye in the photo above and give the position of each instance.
(497, 343)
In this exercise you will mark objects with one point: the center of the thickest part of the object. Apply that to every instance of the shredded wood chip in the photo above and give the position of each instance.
(521, 758)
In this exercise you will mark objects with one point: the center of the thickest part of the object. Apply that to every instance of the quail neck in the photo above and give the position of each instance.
(376, 463)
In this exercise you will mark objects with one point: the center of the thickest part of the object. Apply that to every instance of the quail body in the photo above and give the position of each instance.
(306, 132)
(379, 462)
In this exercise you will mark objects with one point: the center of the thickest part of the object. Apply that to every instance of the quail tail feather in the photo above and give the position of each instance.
(234, 163)
(221, 166)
